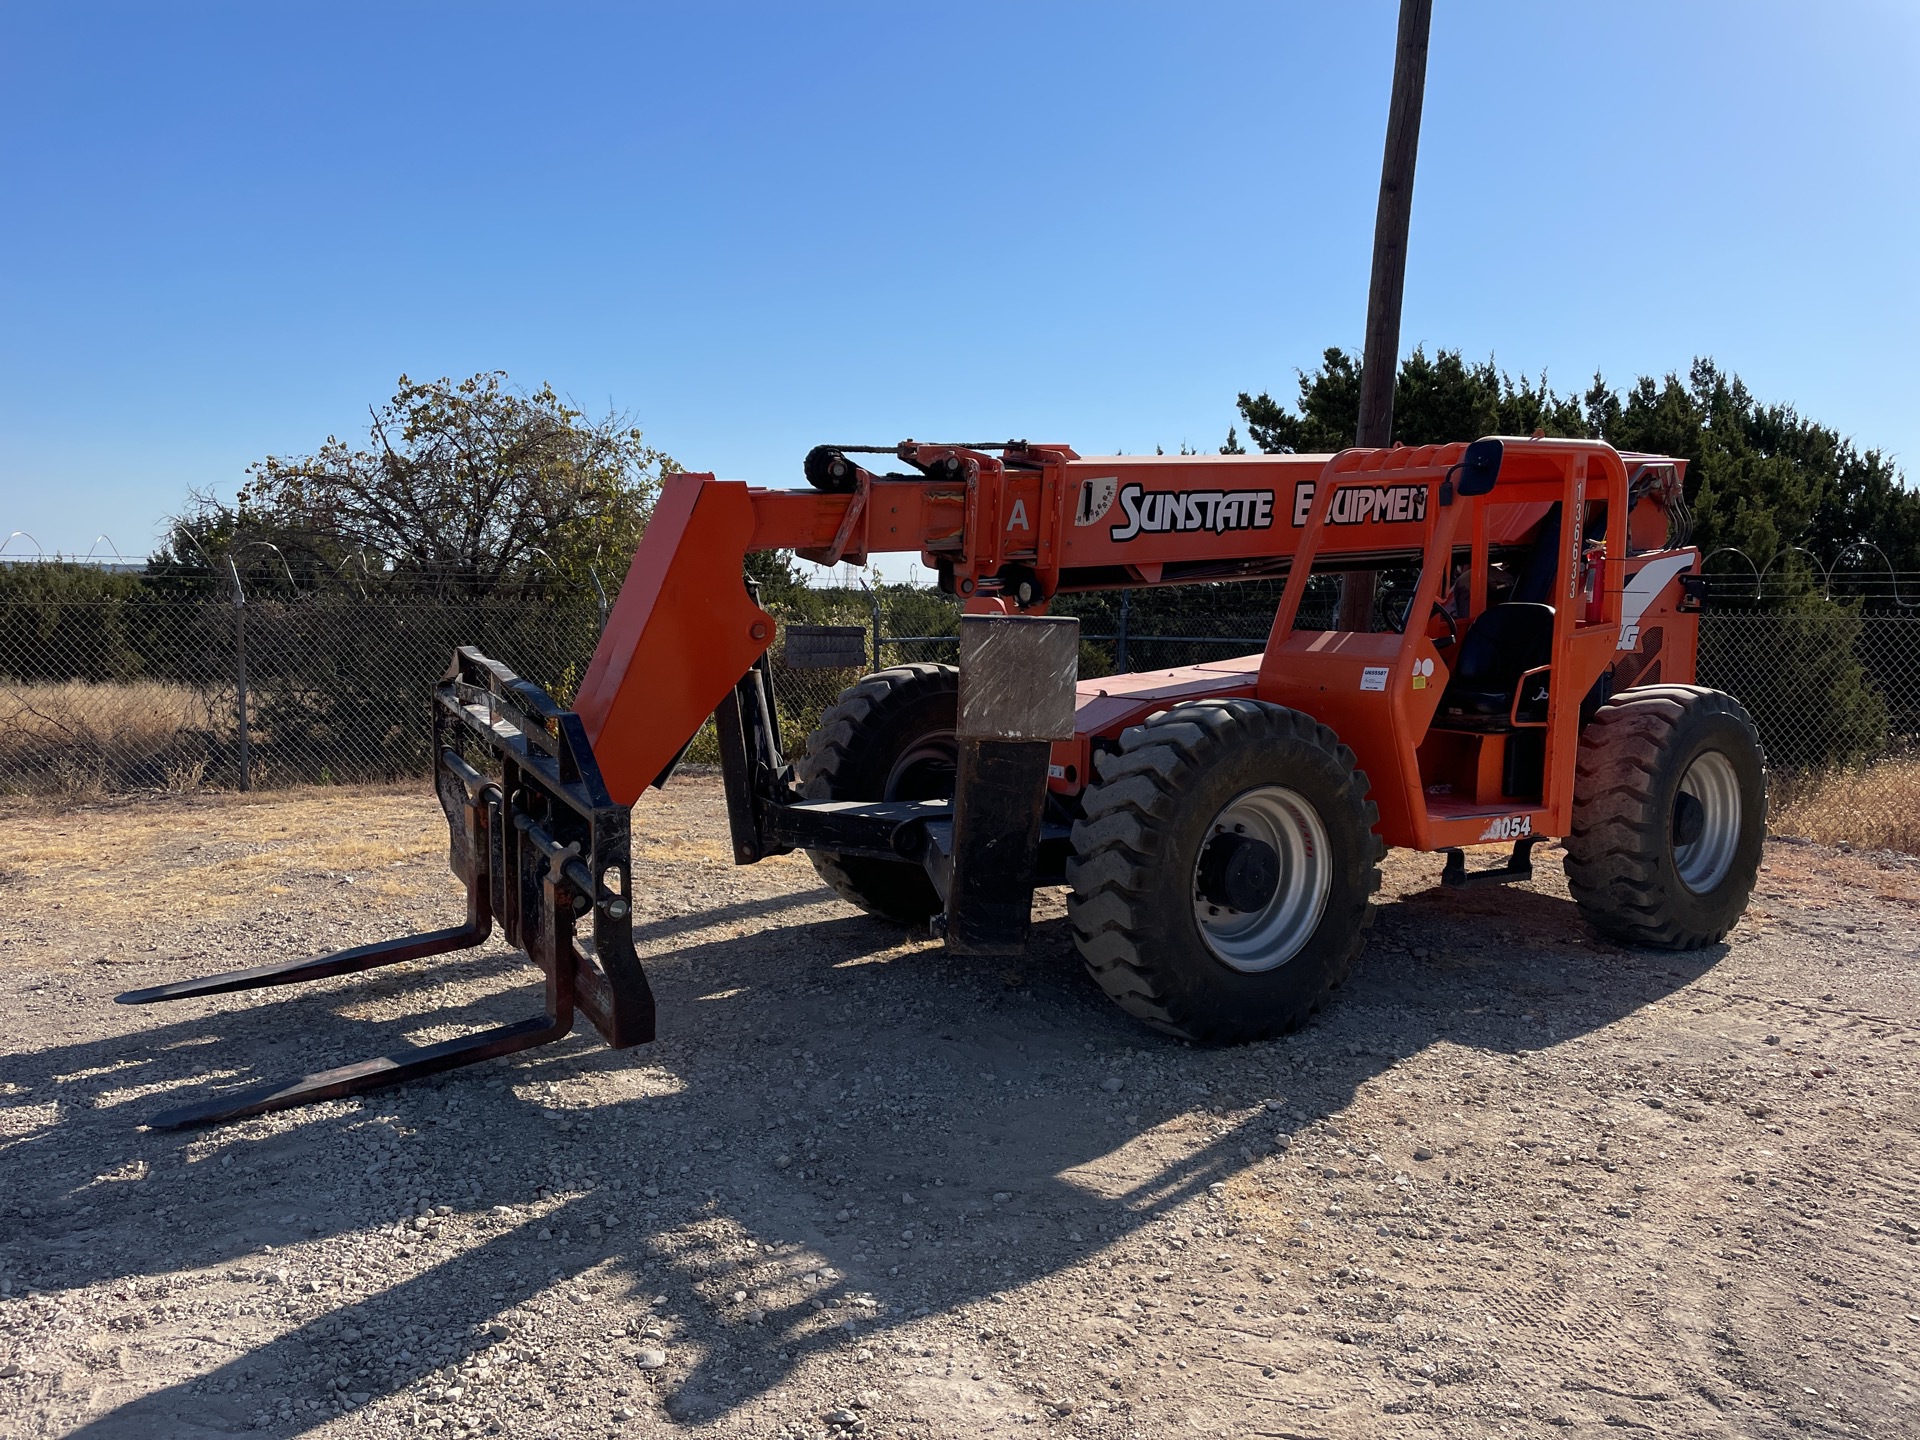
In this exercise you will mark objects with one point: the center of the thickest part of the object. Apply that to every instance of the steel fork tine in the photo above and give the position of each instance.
(539, 850)
(340, 962)
(409, 1064)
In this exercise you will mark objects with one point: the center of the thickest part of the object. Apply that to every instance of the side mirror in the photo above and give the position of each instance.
(1480, 467)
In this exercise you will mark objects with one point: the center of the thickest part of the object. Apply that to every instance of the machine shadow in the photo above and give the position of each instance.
(833, 1006)
(202, 1048)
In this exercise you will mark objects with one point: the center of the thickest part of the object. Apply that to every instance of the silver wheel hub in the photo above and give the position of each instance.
(1706, 821)
(1261, 880)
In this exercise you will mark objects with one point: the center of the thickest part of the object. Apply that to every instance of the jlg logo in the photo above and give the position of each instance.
(1509, 827)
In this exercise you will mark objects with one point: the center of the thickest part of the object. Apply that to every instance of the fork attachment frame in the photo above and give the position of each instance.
(538, 844)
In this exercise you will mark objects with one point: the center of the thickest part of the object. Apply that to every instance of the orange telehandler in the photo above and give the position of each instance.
(1524, 672)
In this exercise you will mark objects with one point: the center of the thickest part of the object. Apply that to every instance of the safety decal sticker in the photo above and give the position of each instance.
(1508, 827)
(1641, 591)
(1374, 677)
(1096, 499)
(1183, 511)
(1422, 671)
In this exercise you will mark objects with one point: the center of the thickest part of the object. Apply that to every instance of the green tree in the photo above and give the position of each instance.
(69, 622)
(1761, 478)
(1798, 671)
(781, 584)
(462, 489)
(1435, 399)
(1329, 410)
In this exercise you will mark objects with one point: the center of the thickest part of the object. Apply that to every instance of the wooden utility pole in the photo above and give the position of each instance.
(1380, 363)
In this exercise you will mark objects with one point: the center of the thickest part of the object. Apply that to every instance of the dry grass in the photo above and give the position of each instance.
(79, 740)
(180, 860)
(148, 861)
(83, 739)
(1875, 808)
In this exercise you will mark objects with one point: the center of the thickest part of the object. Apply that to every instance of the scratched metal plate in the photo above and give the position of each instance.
(1017, 674)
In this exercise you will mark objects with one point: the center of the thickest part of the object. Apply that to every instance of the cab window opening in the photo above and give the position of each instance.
(1396, 579)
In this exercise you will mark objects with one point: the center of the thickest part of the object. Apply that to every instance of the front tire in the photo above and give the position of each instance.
(1669, 816)
(1223, 875)
(890, 736)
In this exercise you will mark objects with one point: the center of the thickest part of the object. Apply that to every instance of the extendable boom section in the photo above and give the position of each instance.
(1006, 531)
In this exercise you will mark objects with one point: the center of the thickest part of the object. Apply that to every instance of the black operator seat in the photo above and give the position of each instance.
(1505, 642)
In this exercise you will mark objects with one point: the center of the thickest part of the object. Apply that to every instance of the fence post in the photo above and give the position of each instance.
(600, 595)
(240, 675)
(1120, 638)
(873, 604)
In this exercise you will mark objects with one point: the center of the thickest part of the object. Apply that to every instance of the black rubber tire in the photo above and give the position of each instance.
(851, 756)
(1132, 871)
(1620, 860)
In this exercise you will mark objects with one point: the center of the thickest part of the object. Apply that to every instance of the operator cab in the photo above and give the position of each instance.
(1462, 655)
(1531, 584)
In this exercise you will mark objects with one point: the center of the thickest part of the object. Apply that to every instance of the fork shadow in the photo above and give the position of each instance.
(825, 1047)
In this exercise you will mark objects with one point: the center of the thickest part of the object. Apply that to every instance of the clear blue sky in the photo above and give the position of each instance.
(227, 229)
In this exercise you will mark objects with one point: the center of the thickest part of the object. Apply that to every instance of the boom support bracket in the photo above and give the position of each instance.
(1017, 677)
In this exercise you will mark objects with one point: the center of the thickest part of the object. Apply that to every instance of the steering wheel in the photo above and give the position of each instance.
(1391, 610)
(1400, 628)
(1453, 627)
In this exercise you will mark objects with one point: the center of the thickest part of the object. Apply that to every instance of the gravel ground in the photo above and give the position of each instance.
(1515, 1181)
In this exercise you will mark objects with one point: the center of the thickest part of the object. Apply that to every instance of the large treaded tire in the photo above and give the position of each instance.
(1132, 903)
(852, 755)
(1621, 858)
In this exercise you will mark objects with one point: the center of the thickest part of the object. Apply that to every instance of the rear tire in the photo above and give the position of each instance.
(1669, 816)
(888, 737)
(1180, 918)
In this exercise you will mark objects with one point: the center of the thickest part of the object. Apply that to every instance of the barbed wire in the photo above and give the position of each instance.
(1887, 583)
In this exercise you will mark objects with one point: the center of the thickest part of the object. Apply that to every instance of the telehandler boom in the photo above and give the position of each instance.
(1526, 673)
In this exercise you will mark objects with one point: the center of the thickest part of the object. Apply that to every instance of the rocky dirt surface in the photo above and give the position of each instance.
(1515, 1181)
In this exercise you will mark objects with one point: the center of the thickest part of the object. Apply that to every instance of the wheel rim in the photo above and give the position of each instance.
(924, 770)
(1712, 784)
(1268, 937)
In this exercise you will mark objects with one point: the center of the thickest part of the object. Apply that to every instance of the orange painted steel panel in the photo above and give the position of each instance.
(681, 635)
(684, 630)
(1363, 685)
(793, 519)
(1107, 705)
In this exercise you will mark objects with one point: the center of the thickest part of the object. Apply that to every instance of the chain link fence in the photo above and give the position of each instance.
(123, 690)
